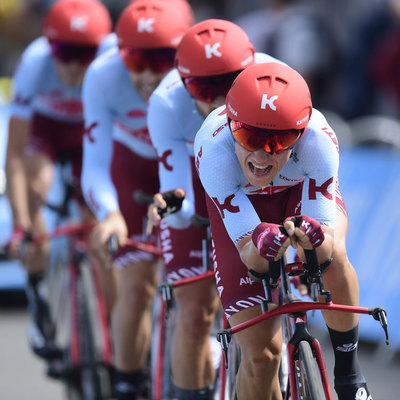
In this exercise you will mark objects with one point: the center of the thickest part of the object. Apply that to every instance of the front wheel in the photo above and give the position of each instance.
(308, 378)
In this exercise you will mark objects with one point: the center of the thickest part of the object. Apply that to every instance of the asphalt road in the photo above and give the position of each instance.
(22, 375)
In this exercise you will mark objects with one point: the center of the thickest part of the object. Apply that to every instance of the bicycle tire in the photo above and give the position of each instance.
(160, 364)
(89, 369)
(234, 358)
(59, 279)
(308, 379)
(284, 362)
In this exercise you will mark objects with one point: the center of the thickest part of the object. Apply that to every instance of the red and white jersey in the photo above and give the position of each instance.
(38, 89)
(314, 162)
(113, 110)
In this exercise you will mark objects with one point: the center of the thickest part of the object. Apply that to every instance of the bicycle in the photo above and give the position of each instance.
(164, 312)
(78, 348)
(307, 373)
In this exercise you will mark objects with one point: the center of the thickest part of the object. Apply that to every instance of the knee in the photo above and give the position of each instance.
(195, 319)
(137, 293)
(340, 267)
(258, 363)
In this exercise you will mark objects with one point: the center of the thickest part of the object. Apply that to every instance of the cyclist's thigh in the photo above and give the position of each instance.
(197, 300)
(50, 141)
(130, 173)
(263, 335)
(182, 251)
(142, 273)
(40, 174)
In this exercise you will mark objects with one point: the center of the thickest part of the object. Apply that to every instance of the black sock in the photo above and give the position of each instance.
(347, 368)
(197, 394)
(34, 280)
(32, 290)
(127, 384)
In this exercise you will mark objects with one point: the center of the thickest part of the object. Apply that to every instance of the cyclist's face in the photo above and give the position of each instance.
(206, 108)
(145, 82)
(259, 167)
(71, 73)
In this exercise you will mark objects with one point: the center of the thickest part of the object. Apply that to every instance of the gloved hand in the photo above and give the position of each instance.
(163, 204)
(14, 242)
(304, 231)
(270, 241)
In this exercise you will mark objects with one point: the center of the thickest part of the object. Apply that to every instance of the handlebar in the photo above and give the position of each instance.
(113, 246)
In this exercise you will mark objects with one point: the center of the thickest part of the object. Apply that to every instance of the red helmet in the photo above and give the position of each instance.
(152, 24)
(80, 22)
(184, 6)
(270, 96)
(213, 47)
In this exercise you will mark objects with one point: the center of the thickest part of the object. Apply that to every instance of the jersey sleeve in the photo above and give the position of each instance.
(222, 179)
(110, 42)
(174, 162)
(27, 78)
(319, 157)
(98, 188)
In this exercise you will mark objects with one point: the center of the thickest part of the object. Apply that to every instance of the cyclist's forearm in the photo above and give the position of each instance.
(18, 196)
(250, 256)
(15, 172)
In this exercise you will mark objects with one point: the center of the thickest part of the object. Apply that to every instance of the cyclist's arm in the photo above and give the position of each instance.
(175, 169)
(250, 256)
(318, 152)
(97, 185)
(26, 85)
(18, 136)
(98, 188)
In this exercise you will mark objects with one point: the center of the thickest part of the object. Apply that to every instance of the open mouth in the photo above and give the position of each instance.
(259, 170)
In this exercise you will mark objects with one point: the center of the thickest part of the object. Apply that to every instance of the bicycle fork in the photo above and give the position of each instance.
(298, 325)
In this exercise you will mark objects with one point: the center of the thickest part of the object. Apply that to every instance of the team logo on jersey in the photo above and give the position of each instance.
(323, 189)
(212, 50)
(146, 25)
(268, 101)
(226, 205)
(163, 160)
(78, 23)
(88, 131)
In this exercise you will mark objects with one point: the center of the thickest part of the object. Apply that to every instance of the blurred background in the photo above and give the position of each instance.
(349, 53)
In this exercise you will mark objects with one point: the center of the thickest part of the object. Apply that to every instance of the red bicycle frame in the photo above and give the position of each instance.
(297, 312)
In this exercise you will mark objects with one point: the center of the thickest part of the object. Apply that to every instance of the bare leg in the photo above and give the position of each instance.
(261, 347)
(191, 357)
(341, 280)
(131, 316)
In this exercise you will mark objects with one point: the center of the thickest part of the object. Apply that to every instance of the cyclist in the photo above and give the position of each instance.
(118, 160)
(209, 57)
(263, 158)
(46, 125)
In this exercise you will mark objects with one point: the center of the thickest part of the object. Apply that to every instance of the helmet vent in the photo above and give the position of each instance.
(282, 81)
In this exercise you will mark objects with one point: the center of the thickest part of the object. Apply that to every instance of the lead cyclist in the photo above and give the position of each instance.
(263, 158)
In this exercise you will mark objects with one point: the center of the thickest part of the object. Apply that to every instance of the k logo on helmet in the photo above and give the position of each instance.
(146, 25)
(213, 50)
(79, 23)
(270, 101)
